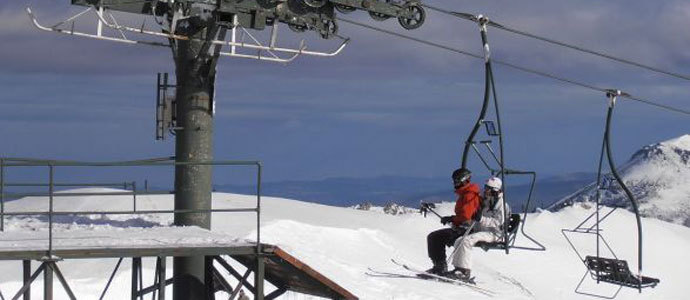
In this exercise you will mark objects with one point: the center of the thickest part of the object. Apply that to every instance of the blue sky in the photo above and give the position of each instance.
(383, 107)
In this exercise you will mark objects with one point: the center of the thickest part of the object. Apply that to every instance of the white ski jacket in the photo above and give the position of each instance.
(493, 219)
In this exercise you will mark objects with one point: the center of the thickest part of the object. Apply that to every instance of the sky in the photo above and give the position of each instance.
(385, 106)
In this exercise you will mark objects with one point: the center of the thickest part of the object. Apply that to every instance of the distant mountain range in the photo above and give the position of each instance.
(658, 175)
(407, 191)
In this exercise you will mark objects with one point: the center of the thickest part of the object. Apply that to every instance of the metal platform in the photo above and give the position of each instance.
(121, 242)
(282, 270)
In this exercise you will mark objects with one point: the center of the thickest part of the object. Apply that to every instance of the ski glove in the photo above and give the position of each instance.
(478, 214)
(447, 219)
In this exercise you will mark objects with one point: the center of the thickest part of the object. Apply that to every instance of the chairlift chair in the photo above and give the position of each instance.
(603, 269)
(616, 271)
(513, 226)
(493, 130)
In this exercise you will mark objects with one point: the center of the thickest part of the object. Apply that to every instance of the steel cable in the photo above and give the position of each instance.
(511, 65)
(472, 18)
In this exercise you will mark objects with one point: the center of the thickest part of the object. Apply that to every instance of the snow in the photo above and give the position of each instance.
(659, 177)
(679, 142)
(100, 237)
(342, 243)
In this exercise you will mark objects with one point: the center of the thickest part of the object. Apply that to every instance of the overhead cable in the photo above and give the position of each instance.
(652, 103)
(511, 65)
(473, 18)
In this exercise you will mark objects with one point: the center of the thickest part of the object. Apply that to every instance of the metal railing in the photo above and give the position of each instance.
(52, 165)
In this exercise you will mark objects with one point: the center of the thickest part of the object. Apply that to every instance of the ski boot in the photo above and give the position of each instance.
(440, 268)
(459, 274)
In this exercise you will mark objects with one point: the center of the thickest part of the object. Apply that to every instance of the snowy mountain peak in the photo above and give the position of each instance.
(667, 150)
(659, 177)
(682, 141)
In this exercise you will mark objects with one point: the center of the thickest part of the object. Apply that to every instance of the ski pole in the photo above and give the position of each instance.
(439, 216)
(429, 207)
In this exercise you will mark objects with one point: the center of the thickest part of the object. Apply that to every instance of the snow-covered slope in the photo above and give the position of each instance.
(659, 177)
(343, 243)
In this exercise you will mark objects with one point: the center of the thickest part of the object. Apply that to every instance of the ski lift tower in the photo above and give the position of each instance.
(199, 32)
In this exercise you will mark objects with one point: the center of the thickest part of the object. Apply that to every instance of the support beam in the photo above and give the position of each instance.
(210, 282)
(26, 266)
(162, 282)
(235, 274)
(110, 280)
(259, 278)
(136, 263)
(221, 281)
(27, 285)
(47, 282)
(238, 289)
(143, 292)
(275, 294)
(62, 280)
(141, 278)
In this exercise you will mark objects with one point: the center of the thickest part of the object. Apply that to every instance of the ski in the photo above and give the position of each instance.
(468, 280)
(374, 273)
(429, 276)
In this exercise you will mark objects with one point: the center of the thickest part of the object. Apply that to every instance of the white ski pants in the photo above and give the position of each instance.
(462, 256)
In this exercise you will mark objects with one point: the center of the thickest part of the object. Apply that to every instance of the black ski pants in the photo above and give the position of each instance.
(438, 240)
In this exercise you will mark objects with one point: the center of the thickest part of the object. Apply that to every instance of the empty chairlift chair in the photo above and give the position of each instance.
(602, 269)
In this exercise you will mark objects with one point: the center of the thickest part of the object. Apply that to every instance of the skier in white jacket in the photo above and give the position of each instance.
(489, 228)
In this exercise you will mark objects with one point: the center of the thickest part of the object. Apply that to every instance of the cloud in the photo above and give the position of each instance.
(382, 102)
(649, 32)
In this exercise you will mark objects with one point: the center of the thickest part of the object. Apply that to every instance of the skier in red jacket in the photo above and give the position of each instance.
(465, 208)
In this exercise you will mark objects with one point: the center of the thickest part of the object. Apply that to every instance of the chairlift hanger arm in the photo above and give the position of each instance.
(481, 158)
(612, 95)
(485, 102)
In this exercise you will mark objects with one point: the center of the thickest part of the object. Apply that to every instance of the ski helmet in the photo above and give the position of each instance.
(460, 176)
(494, 183)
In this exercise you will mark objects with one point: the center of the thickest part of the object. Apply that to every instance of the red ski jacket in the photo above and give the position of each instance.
(467, 204)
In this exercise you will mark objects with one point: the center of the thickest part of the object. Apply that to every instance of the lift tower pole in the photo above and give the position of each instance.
(195, 63)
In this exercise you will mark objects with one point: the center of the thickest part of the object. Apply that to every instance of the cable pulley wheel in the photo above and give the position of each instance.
(315, 3)
(297, 28)
(344, 8)
(416, 19)
(379, 16)
(330, 29)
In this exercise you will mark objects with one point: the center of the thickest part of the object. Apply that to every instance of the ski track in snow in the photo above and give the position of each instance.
(343, 244)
